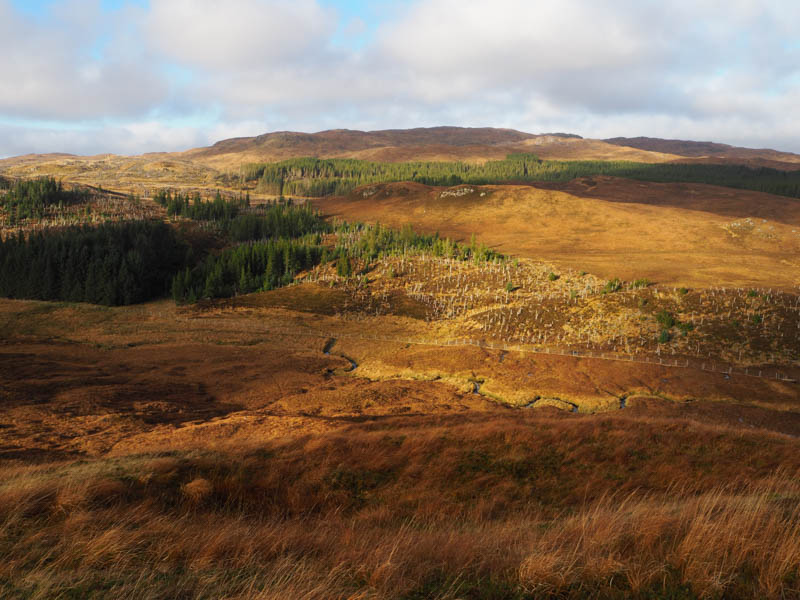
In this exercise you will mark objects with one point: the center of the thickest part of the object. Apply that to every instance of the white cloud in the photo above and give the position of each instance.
(512, 39)
(629, 56)
(238, 34)
(687, 68)
(136, 137)
(48, 70)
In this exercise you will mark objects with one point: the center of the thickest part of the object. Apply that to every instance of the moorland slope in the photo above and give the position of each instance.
(602, 403)
(675, 234)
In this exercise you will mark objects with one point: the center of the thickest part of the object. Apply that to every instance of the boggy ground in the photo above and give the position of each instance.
(203, 452)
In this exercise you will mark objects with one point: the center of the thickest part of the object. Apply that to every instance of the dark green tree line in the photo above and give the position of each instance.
(29, 199)
(321, 177)
(370, 242)
(111, 264)
(240, 221)
(248, 268)
(194, 207)
(280, 219)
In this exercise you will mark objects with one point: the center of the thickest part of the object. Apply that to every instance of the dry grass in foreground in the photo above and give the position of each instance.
(417, 509)
(715, 545)
(158, 452)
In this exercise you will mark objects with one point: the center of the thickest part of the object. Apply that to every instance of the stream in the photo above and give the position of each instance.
(326, 350)
(572, 406)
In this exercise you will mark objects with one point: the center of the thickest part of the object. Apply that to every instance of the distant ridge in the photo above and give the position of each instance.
(475, 145)
(471, 144)
(348, 140)
(711, 150)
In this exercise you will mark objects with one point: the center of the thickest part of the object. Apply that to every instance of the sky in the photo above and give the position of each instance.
(133, 76)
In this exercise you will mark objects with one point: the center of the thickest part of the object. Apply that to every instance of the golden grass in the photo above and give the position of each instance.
(673, 234)
(402, 512)
(708, 541)
(161, 452)
(135, 174)
(217, 460)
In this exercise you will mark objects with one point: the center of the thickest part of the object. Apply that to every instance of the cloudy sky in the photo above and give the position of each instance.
(129, 76)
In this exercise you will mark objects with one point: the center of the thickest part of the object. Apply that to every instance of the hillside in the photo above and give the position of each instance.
(349, 140)
(513, 379)
(298, 443)
(202, 167)
(435, 143)
(711, 151)
(676, 234)
(470, 144)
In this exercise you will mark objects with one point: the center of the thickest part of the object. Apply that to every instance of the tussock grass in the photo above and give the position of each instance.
(714, 545)
(446, 509)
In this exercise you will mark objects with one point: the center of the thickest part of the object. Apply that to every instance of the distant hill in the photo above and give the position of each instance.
(472, 144)
(202, 167)
(711, 151)
(397, 143)
(338, 140)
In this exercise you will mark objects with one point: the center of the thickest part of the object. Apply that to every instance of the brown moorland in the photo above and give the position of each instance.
(675, 234)
(711, 151)
(427, 427)
(438, 143)
(157, 451)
